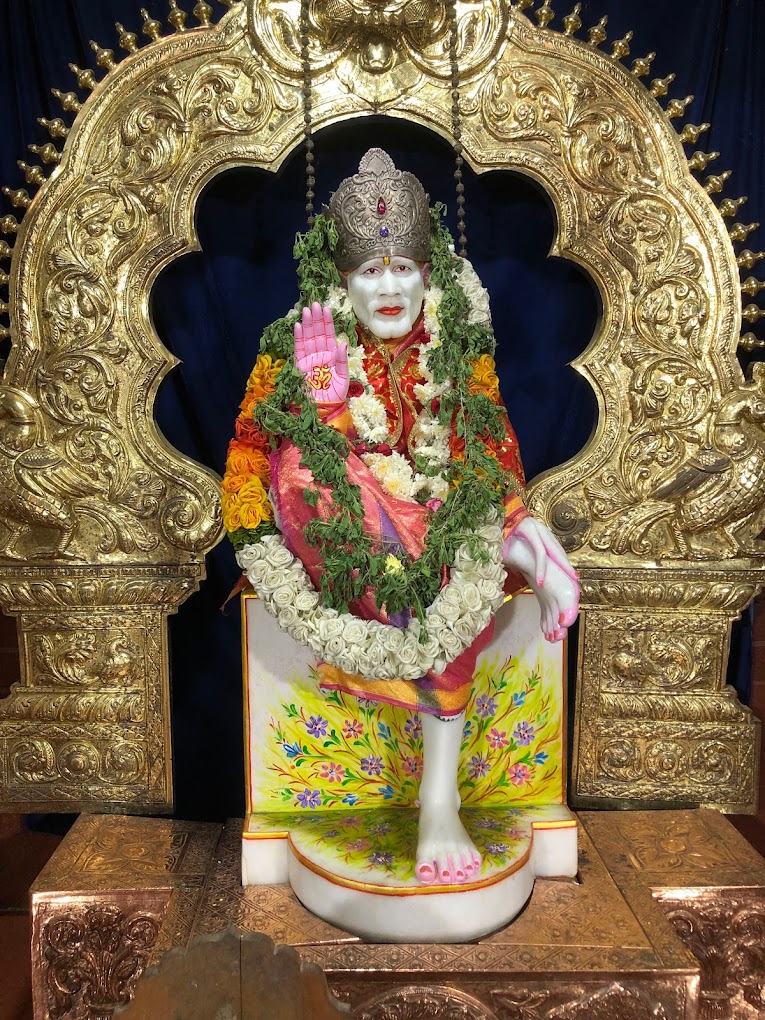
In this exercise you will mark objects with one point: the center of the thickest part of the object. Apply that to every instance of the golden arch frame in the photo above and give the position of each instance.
(106, 534)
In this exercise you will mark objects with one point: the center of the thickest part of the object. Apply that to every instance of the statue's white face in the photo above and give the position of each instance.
(387, 298)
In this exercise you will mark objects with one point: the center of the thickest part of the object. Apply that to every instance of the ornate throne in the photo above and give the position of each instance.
(105, 527)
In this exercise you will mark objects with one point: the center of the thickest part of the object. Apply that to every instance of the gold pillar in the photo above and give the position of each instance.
(656, 725)
(89, 722)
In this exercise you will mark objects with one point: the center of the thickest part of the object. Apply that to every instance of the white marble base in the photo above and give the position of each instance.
(384, 908)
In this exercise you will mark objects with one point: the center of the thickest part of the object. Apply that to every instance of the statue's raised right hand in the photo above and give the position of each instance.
(322, 360)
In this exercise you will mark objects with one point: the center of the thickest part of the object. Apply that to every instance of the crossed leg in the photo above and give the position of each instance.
(445, 852)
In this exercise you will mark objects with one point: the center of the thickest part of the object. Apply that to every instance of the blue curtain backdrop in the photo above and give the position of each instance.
(209, 308)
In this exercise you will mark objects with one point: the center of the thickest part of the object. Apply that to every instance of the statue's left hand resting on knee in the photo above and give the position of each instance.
(374, 490)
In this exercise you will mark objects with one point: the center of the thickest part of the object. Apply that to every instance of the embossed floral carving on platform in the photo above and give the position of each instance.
(727, 936)
(94, 955)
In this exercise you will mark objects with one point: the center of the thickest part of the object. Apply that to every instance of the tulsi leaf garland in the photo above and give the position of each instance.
(352, 561)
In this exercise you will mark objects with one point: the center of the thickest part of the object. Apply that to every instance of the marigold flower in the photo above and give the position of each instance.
(262, 381)
(484, 378)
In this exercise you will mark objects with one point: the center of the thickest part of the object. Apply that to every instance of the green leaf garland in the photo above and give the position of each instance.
(352, 560)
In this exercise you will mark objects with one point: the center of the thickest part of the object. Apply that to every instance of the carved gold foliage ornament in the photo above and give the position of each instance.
(422, 1003)
(380, 51)
(104, 528)
(614, 1001)
(727, 935)
(94, 955)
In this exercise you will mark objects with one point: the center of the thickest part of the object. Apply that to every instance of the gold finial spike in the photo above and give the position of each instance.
(544, 14)
(677, 107)
(751, 342)
(9, 224)
(597, 34)
(660, 86)
(642, 66)
(753, 313)
(177, 17)
(55, 128)
(730, 206)
(32, 174)
(104, 58)
(740, 231)
(749, 259)
(48, 153)
(86, 80)
(692, 132)
(700, 160)
(151, 27)
(69, 101)
(714, 184)
(127, 40)
(621, 48)
(752, 286)
(572, 22)
(19, 199)
(203, 12)
(5, 251)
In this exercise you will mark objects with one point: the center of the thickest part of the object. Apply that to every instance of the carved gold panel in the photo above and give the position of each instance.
(104, 527)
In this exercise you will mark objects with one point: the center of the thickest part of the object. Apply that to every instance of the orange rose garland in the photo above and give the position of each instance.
(245, 502)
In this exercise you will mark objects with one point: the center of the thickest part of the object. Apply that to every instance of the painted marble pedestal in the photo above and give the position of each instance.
(517, 845)
(332, 784)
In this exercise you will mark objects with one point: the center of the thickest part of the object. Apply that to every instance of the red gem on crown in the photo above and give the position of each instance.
(381, 206)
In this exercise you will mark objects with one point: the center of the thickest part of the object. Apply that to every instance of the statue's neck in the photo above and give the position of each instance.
(399, 344)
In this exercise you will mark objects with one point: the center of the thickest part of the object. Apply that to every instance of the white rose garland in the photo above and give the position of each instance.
(430, 439)
(379, 651)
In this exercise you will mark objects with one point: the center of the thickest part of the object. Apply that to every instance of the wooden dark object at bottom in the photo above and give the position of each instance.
(232, 976)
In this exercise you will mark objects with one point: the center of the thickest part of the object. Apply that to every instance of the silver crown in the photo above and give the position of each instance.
(380, 211)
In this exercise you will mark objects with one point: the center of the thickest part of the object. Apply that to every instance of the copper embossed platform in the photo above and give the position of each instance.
(667, 920)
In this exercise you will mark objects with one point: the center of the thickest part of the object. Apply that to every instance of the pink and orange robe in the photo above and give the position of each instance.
(393, 372)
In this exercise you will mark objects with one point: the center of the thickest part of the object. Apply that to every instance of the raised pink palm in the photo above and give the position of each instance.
(322, 360)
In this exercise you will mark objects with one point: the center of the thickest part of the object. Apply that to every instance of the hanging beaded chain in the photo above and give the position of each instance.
(310, 179)
(457, 128)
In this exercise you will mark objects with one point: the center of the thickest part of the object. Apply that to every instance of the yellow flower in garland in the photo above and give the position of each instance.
(262, 381)
(255, 505)
(484, 379)
(246, 508)
(231, 508)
